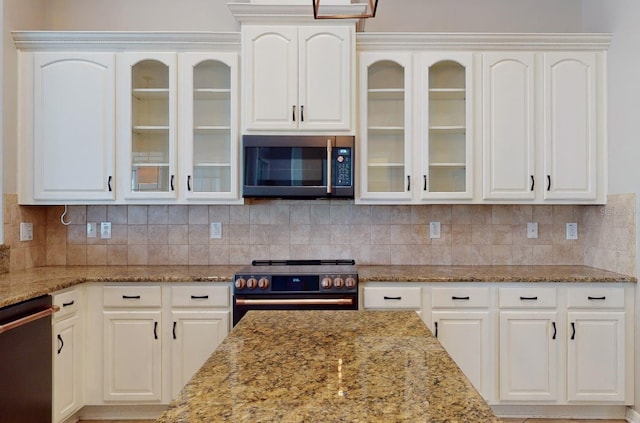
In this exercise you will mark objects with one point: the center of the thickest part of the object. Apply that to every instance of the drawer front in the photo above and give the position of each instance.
(132, 296)
(460, 297)
(527, 297)
(68, 301)
(201, 295)
(596, 297)
(390, 297)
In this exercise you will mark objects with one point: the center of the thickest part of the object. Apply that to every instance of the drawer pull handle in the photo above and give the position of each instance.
(155, 330)
(533, 182)
(174, 330)
(70, 303)
(555, 332)
(573, 330)
(460, 298)
(61, 343)
(436, 325)
(131, 297)
(199, 297)
(392, 298)
(597, 298)
(528, 298)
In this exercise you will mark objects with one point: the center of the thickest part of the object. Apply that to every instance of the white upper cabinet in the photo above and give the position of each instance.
(543, 127)
(508, 126)
(572, 126)
(446, 126)
(68, 127)
(208, 121)
(147, 125)
(298, 78)
(385, 136)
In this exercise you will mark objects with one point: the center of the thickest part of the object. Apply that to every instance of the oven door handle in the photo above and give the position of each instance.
(329, 158)
(297, 301)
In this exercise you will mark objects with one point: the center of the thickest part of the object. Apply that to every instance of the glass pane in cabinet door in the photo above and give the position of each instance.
(212, 127)
(447, 127)
(150, 131)
(385, 127)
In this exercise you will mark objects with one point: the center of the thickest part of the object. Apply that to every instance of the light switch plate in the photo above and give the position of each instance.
(434, 230)
(92, 229)
(572, 231)
(532, 229)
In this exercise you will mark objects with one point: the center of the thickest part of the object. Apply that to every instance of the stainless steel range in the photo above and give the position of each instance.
(295, 285)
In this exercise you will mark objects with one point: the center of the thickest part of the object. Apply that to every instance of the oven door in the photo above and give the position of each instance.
(244, 303)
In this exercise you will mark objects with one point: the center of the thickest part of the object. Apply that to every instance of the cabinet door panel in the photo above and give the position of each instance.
(67, 356)
(325, 77)
(270, 79)
(508, 126)
(528, 356)
(74, 126)
(596, 356)
(132, 360)
(196, 334)
(570, 126)
(465, 336)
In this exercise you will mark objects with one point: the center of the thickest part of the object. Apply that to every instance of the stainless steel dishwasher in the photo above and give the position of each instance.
(25, 361)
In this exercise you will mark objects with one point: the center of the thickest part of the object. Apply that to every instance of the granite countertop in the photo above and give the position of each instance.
(329, 366)
(26, 284)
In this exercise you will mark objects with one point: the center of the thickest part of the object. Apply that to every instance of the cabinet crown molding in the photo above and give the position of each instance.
(118, 40)
(420, 41)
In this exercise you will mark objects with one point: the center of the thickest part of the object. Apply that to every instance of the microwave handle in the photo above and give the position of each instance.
(329, 176)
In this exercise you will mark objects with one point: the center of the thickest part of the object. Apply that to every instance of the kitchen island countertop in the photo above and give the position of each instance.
(26, 284)
(329, 366)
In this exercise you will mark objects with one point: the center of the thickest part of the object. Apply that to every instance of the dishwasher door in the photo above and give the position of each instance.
(26, 361)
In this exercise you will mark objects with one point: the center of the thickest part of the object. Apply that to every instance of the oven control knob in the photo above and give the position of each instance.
(350, 282)
(338, 282)
(327, 283)
(240, 283)
(263, 283)
(252, 283)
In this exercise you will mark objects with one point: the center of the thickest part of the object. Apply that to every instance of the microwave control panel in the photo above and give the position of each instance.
(343, 167)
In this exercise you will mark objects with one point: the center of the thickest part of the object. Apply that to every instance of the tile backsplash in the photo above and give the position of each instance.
(280, 229)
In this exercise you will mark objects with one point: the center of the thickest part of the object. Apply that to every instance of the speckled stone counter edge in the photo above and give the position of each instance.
(23, 285)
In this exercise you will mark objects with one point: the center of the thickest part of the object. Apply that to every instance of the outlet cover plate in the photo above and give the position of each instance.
(434, 230)
(572, 231)
(105, 230)
(216, 230)
(26, 231)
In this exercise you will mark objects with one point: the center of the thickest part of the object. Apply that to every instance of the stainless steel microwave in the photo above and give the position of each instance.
(295, 166)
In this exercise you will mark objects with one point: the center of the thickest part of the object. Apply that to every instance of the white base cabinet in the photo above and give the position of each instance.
(532, 345)
(67, 354)
(146, 340)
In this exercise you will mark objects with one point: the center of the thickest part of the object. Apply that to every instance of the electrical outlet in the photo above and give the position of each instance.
(216, 230)
(105, 230)
(434, 230)
(572, 231)
(26, 231)
(532, 229)
(92, 229)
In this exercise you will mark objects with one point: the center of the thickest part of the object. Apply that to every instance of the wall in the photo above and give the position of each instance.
(621, 17)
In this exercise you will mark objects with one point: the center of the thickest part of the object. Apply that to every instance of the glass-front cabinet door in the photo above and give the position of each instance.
(208, 122)
(385, 126)
(147, 129)
(446, 126)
